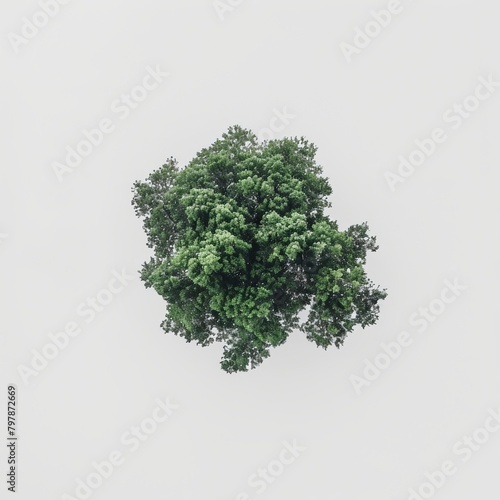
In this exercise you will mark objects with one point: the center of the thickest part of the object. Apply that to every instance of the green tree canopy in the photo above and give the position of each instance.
(242, 245)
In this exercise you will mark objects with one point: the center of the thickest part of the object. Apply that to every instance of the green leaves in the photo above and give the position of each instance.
(242, 245)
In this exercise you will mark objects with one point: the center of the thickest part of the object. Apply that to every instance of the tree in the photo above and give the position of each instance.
(242, 245)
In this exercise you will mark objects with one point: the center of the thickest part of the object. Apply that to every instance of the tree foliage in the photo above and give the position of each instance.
(242, 245)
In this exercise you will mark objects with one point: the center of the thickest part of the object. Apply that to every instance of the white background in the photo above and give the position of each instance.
(64, 239)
